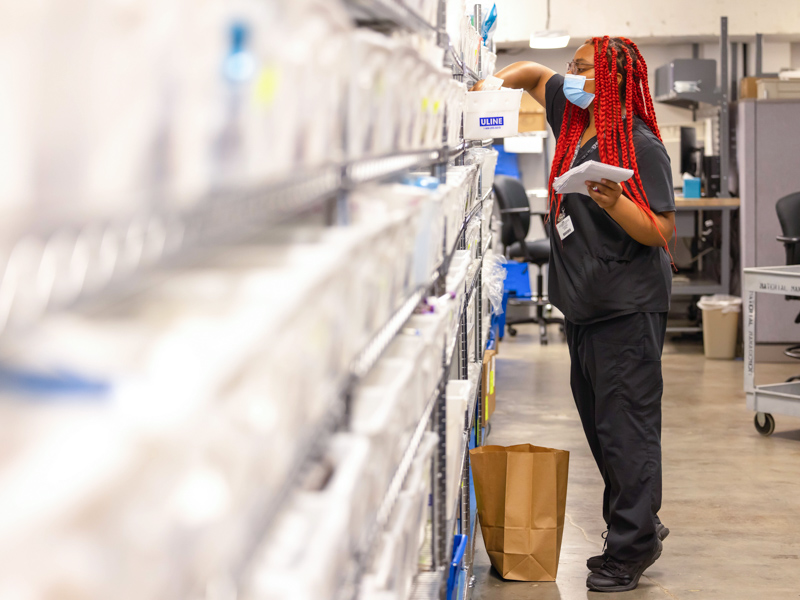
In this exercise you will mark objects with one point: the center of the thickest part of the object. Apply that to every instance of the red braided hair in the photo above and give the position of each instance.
(614, 134)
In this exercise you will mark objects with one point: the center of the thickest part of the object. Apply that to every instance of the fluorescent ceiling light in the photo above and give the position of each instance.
(544, 40)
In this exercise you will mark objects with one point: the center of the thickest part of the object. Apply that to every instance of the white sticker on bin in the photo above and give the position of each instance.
(491, 122)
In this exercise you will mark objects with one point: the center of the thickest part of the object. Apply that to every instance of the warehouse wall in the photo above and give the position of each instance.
(777, 56)
(636, 19)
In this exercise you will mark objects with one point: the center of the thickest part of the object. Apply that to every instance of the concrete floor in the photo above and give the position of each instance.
(731, 496)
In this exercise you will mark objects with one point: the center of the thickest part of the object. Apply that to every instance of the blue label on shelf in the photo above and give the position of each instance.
(492, 122)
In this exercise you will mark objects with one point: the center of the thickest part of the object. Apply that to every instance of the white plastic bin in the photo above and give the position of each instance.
(419, 476)
(348, 487)
(412, 348)
(457, 395)
(380, 412)
(282, 568)
(492, 114)
(720, 325)
(432, 327)
(394, 566)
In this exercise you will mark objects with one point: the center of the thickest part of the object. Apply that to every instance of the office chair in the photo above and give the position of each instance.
(516, 214)
(788, 209)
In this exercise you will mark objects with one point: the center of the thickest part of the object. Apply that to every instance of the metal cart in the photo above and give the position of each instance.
(775, 398)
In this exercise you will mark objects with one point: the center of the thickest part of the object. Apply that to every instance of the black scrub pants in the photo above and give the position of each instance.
(617, 385)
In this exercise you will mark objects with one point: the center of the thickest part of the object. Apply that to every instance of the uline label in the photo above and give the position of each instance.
(491, 121)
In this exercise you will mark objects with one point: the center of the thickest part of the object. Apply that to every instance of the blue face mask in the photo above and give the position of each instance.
(573, 90)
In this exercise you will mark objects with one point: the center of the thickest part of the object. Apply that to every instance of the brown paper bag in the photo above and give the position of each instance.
(521, 493)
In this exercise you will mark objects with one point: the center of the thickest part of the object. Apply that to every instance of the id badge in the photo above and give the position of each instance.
(564, 226)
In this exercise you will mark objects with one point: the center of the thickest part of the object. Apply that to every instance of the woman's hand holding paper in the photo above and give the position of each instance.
(606, 193)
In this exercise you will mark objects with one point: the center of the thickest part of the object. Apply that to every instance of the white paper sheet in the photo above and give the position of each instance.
(574, 180)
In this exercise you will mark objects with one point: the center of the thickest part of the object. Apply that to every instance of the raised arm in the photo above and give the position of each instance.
(529, 76)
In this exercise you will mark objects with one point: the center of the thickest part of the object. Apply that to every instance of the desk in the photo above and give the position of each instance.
(682, 203)
(778, 398)
(698, 284)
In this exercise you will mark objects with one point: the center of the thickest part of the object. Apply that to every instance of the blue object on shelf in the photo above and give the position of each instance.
(518, 280)
(491, 342)
(507, 163)
(489, 23)
(498, 324)
(455, 577)
(423, 181)
(47, 385)
(240, 65)
(691, 187)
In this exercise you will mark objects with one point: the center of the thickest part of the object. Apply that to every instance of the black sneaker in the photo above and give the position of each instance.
(618, 576)
(662, 531)
(595, 563)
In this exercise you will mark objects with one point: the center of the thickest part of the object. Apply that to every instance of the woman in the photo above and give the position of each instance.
(610, 274)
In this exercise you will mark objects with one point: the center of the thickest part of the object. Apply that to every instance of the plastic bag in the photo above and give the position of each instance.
(494, 276)
(727, 304)
(489, 24)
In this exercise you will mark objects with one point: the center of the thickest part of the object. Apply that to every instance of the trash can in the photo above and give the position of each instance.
(720, 325)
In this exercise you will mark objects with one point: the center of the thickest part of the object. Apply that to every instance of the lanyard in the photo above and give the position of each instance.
(563, 214)
(577, 150)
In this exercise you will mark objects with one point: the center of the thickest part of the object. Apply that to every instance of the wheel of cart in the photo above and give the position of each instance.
(765, 423)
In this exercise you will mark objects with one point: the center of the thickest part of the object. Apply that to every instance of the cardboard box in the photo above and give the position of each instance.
(748, 87)
(532, 122)
(775, 89)
(488, 374)
(529, 105)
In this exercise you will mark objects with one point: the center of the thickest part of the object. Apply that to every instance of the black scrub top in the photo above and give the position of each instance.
(599, 272)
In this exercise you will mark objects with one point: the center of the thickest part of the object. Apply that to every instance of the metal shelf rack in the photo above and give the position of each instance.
(427, 584)
(310, 450)
(460, 70)
(388, 14)
(719, 99)
(473, 418)
(96, 259)
(376, 346)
